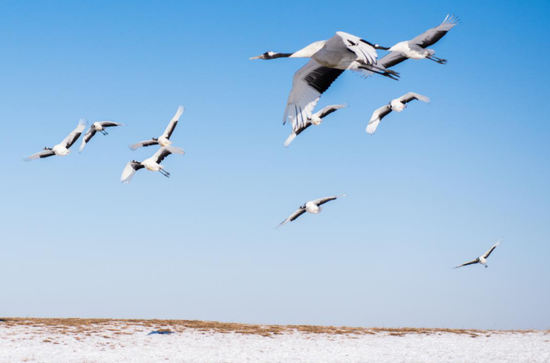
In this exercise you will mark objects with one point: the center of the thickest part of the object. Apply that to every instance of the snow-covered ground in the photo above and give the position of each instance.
(90, 341)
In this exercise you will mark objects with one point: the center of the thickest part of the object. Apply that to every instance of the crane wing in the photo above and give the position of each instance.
(324, 200)
(330, 109)
(110, 123)
(290, 138)
(144, 144)
(392, 59)
(491, 250)
(293, 216)
(366, 54)
(433, 35)
(377, 116)
(309, 83)
(87, 137)
(468, 263)
(40, 155)
(163, 152)
(173, 123)
(295, 133)
(75, 134)
(129, 171)
(413, 96)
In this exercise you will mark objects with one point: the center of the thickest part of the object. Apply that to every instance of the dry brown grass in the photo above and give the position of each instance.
(87, 327)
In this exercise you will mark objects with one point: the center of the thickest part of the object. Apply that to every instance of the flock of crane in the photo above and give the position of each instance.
(328, 59)
(151, 164)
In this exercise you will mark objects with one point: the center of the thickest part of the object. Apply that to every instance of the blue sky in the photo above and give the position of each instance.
(436, 186)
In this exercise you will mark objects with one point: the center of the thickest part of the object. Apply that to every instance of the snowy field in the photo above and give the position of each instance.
(95, 340)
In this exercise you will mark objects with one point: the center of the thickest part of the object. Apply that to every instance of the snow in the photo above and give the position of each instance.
(26, 340)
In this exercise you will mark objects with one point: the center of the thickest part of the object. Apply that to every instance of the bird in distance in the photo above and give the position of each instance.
(315, 119)
(481, 259)
(164, 139)
(313, 206)
(397, 105)
(151, 164)
(97, 126)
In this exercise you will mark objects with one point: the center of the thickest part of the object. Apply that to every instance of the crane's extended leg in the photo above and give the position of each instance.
(386, 72)
(437, 60)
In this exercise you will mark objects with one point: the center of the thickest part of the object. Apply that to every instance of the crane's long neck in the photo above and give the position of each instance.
(308, 51)
(272, 55)
(280, 55)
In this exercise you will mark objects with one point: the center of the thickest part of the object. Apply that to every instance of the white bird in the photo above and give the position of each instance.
(398, 105)
(315, 119)
(61, 149)
(481, 259)
(313, 206)
(151, 164)
(97, 126)
(417, 48)
(164, 139)
(329, 58)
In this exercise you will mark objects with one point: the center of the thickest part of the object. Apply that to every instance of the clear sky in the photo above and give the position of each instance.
(436, 186)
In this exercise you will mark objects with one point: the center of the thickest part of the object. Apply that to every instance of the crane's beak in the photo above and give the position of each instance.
(257, 57)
